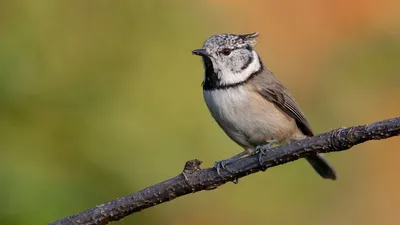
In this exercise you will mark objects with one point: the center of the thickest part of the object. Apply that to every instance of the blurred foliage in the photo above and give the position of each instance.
(102, 98)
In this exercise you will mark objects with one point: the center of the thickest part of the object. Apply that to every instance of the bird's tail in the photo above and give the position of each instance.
(322, 166)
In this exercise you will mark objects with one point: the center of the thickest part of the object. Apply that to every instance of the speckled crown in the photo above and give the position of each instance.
(230, 40)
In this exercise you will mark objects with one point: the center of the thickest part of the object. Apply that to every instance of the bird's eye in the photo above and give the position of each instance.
(226, 51)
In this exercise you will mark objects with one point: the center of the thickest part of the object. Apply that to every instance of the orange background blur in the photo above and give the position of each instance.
(102, 98)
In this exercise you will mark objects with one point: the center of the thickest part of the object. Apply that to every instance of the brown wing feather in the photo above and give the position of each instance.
(275, 92)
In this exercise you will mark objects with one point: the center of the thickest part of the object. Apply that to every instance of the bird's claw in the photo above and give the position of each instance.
(222, 164)
(262, 150)
(218, 165)
(260, 154)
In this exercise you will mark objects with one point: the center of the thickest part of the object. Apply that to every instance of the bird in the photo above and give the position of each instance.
(248, 102)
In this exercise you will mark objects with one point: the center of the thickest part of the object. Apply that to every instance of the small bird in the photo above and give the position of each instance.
(248, 102)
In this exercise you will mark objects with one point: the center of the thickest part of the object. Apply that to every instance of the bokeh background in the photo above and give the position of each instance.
(99, 99)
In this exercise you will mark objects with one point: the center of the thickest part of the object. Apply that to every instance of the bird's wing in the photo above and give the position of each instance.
(272, 90)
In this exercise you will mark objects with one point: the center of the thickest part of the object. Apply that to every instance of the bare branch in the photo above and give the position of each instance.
(194, 179)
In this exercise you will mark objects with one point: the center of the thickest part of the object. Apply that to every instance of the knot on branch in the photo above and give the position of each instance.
(192, 166)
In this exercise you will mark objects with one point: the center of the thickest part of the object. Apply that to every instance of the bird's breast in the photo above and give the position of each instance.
(246, 117)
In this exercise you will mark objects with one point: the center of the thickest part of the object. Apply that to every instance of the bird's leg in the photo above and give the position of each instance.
(222, 164)
(262, 150)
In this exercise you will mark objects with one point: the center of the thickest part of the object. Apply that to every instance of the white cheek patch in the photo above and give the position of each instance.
(227, 77)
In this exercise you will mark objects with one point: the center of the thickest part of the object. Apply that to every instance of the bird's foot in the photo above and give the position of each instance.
(262, 150)
(222, 164)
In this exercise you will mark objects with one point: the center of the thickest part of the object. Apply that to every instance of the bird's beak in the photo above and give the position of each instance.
(200, 52)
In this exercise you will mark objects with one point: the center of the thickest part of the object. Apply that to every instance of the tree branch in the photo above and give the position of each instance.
(194, 179)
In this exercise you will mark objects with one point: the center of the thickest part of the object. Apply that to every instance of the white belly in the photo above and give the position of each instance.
(247, 118)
